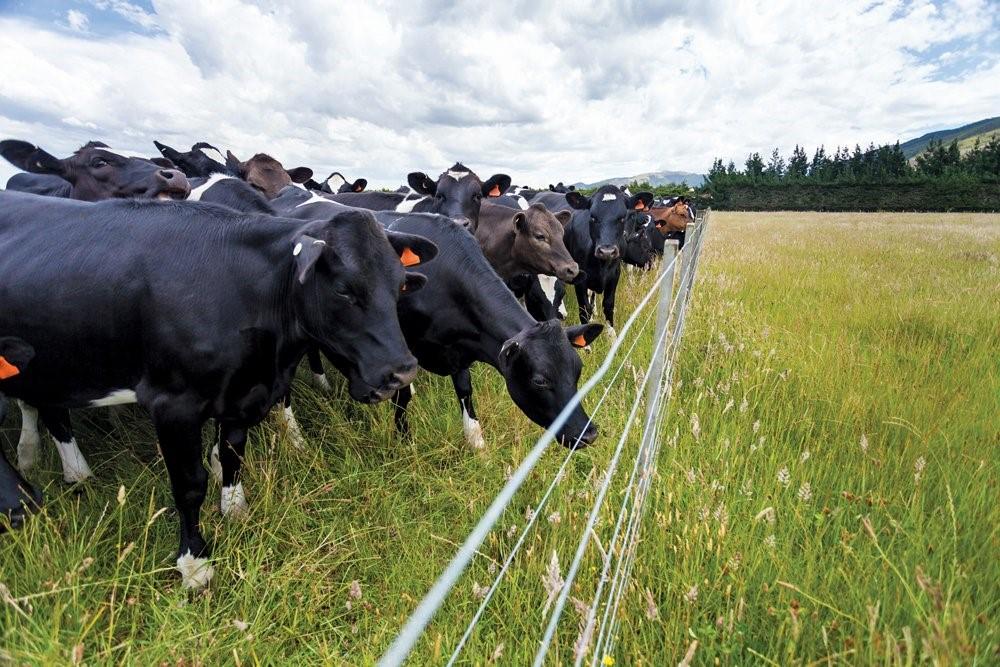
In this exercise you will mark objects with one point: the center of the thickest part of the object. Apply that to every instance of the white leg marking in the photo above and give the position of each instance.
(321, 383)
(473, 431)
(234, 501)
(292, 429)
(215, 463)
(195, 572)
(27, 445)
(413, 388)
(75, 468)
(611, 333)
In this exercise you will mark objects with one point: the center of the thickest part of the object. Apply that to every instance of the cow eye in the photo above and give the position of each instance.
(98, 163)
(540, 237)
(540, 382)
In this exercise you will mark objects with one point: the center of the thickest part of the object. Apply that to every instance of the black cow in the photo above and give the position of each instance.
(17, 497)
(637, 249)
(196, 312)
(201, 161)
(457, 193)
(595, 237)
(96, 172)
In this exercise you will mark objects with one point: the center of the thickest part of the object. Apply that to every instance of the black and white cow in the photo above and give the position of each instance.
(336, 183)
(94, 172)
(201, 161)
(197, 313)
(595, 237)
(457, 193)
(17, 497)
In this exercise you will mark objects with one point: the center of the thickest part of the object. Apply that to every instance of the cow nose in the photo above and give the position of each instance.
(402, 376)
(170, 175)
(606, 252)
(570, 272)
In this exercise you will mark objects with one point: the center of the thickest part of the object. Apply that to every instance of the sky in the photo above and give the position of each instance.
(542, 91)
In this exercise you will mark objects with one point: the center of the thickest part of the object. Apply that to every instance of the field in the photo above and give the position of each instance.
(827, 489)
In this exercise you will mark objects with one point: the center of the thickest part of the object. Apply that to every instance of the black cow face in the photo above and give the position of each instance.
(458, 192)
(201, 161)
(97, 172)
(542, 370)
(350, 275)
(638, 248)
(608, 209)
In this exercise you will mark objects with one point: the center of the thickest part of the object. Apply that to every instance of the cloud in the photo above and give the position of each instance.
(527, 88)
(77, 20)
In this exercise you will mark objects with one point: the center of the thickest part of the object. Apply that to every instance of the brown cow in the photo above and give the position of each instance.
(673, 218)
(266, 174)
(518, 242)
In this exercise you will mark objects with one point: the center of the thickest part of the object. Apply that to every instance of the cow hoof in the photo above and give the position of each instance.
(474, 434)
(321, 383)
(195, 572)
(215, 464)
(234, 501)
(610, 334)
(292, 430)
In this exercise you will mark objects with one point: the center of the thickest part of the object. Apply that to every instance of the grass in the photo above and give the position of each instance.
(844, 373)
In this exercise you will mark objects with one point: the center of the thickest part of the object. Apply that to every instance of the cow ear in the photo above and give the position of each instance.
(563, 217)
(166, 151)
(30, 158)
(14, 356)
(578, 201)
(359, 185)
(496, 185)
(234, 165)
(413, 250)
(521, 222)
(509, 352)
(583, 335)
(421, 183)
(412, 282)
(300, 174)
(641, 201)
(307, 251)
(552, 188)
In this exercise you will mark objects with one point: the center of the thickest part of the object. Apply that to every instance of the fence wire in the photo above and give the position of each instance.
(661, 367)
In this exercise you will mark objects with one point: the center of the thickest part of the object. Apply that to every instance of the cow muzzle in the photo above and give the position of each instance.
(172, 184)
(606, 252)
(393, 382)
(568, 272)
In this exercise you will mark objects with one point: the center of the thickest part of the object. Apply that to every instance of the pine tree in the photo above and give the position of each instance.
(798, 164)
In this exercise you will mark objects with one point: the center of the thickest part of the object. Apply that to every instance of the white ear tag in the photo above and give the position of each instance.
(297, 250)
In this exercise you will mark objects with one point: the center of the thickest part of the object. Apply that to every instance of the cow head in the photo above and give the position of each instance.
(608, 208)
(335, 183)
(542, 370)
(458, 192)
(538, 242)
(637, 249)
(98, 172)
(201, 161)
(266, 174)
(16, 495)
(349, 274)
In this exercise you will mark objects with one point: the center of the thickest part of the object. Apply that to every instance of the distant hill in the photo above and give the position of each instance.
(653, 178)
(966, 136)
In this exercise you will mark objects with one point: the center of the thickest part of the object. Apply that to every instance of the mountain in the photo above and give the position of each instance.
(653, 178)
(966, 136)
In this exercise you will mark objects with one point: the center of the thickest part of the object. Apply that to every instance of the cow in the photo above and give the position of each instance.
(196, 312)
(201, 161)
(516, 242)
(17, 497)
(467, 314)
(638, 246)
(95, 172)
(335, 183)
(457, 193)
(670, 221)
(266, 174)
(560, 188)
(595, 237)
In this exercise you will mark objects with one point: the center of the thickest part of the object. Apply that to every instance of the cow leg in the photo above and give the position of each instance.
(608, 305)
(400, 400)
(470, 424)
(232, 444)
(320, 381)
(291, 424)
(75, 467)
(29, 442)
(179, 432)
(17, 497)
(583, 299)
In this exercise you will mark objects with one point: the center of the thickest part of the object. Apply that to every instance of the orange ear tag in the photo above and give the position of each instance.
(409, 258)
(7, 369)
(495, 192)
(580, 341)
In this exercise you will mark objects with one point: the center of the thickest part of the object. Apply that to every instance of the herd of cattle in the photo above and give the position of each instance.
(194, 283)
